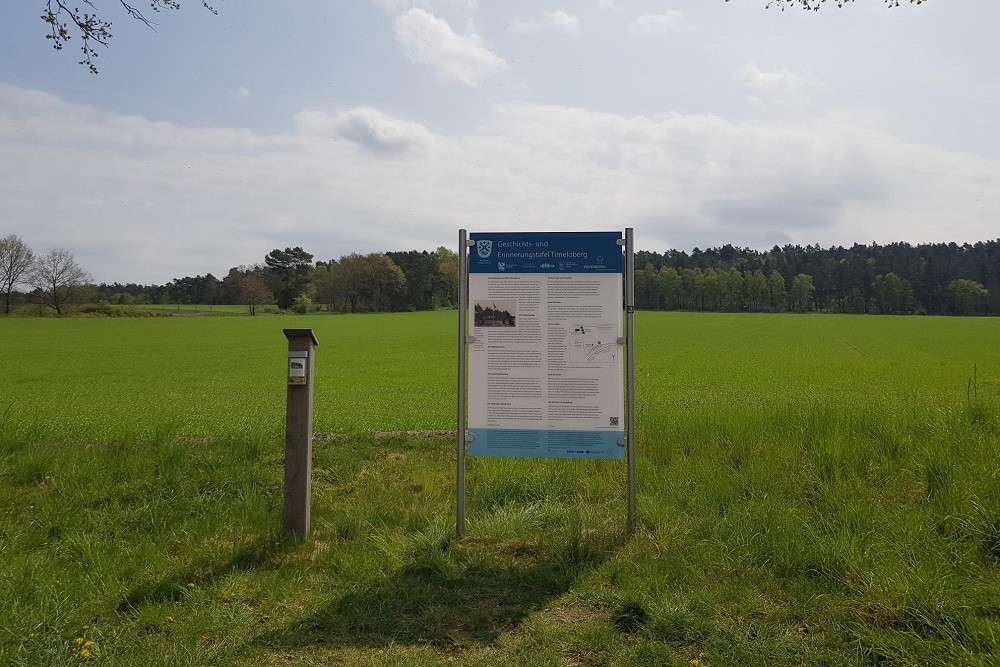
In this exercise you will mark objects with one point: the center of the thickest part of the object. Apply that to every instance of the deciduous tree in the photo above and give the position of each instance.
(892, 294)
(446, 287)
(327, 278)
(693, 287)
(646, 287)
(756, 290)
(253, 292)
(197, 289)
(968, 296)
(802, 291)
(421, 271)
(364, 282)
(231, 284)
(776, 290)
(16, 259)
(669, 287)
(58, 280)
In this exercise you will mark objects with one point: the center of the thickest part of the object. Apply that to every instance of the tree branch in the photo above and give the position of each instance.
(91, 29)
(814, 5)
(64, 22)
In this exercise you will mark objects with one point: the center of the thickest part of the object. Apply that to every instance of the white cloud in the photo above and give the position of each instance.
(780, 89)
(144, 201)
(429, 40)
(397, 6)
(558, 20)
(658, 24)
(755, 78)
(518, 25)
(367, 127)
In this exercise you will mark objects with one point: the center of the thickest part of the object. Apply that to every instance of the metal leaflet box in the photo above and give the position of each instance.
(298, 364)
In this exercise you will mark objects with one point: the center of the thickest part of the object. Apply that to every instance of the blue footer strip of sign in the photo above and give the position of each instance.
(539, 444)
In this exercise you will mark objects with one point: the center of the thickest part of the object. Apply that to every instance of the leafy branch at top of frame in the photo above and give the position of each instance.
(814, 5)
(65, 21)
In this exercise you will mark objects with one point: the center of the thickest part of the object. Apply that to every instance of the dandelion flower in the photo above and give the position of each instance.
(89, 643)
(191, 585)
(78, 641)
(170, 619)
(85, 654)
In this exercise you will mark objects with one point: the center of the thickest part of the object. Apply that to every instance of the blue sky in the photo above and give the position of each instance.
(376, 125)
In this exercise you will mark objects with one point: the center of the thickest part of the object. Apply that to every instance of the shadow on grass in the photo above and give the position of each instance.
(433, 606)
(257, 555)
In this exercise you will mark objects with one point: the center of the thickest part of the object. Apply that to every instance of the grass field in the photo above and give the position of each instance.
(813, 490)
(228, 309)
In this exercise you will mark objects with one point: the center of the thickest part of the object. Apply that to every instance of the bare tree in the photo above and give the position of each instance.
(58, 280)
(64, 22)
(253, 292)
(16, 259)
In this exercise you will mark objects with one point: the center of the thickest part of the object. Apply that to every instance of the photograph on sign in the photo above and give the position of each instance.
(545, 370)
(495, 313)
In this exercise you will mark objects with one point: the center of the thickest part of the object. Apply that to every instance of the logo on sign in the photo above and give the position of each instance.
(484, 248)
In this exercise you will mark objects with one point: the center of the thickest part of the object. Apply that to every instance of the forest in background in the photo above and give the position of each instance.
(897, 278)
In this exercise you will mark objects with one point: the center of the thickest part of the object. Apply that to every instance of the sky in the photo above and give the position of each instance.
(382, 125)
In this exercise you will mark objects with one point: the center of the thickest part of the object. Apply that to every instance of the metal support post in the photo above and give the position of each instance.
(630, 375)
(463, 313)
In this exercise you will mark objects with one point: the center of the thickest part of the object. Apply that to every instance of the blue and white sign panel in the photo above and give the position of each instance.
(545, 365)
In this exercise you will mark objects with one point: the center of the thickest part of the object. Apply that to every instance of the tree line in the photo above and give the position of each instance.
(892, 279)
(898, 278)
(286, 279)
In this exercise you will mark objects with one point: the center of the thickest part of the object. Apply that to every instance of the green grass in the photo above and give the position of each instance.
(102, 379)
(231, 309)
(816, 490)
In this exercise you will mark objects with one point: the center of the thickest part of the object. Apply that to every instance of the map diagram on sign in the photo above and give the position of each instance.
(593, 344)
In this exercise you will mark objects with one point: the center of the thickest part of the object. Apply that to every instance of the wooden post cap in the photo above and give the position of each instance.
(301, 333)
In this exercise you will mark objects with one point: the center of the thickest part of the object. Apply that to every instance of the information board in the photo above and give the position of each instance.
(546, 359)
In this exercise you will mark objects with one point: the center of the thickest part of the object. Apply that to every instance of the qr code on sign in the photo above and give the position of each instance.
(614, 421)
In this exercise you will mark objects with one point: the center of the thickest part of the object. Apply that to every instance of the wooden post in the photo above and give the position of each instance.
(298, 431)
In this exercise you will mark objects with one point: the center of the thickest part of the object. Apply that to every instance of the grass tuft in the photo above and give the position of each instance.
(630, 617)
